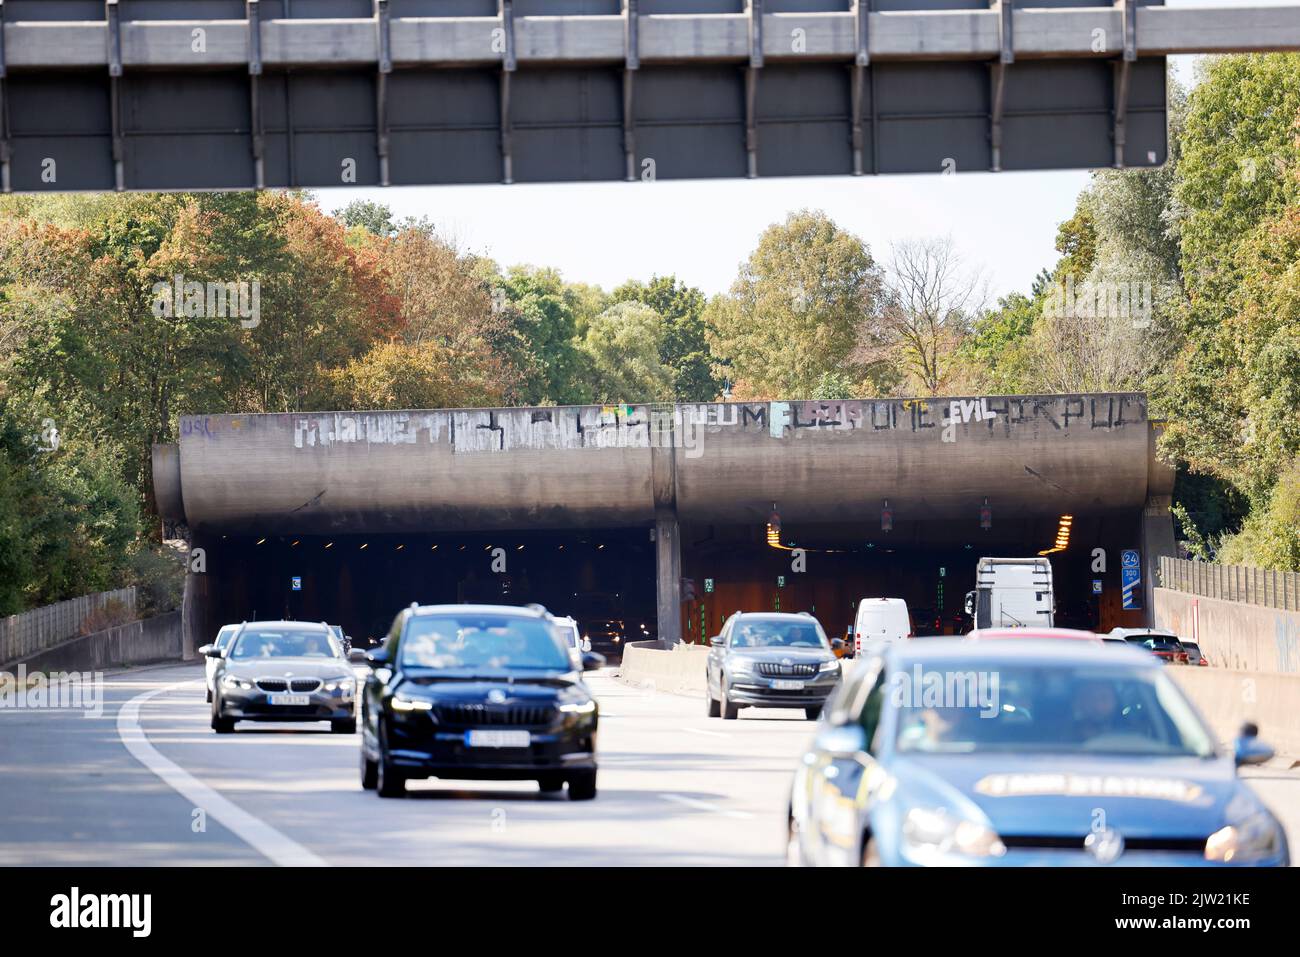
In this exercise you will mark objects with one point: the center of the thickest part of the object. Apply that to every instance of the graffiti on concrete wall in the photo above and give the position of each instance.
(503, 430)
(683, 426)
(1008, 414)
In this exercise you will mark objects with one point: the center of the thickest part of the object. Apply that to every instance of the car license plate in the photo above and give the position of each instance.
(498, 739)
(288, 699)
(780, 685)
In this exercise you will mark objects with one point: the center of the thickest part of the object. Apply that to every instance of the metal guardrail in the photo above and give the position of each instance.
(1242, 583)
(32, 631)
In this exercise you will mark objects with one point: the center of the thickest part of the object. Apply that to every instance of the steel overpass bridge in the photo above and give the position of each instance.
(233, 94)
(370, 510)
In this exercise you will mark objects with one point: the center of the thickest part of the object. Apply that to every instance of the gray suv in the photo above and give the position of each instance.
(771, 660)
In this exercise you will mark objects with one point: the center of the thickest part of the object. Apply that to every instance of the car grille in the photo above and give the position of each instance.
(480, 715)
(1075, 843)
(272, 684)
(304, 684)
(773, 669)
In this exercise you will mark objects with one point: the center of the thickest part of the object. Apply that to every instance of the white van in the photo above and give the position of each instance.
(880, 620)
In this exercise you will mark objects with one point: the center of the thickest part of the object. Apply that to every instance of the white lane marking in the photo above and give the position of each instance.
(253, 831)
(711, 734)
(707, 806)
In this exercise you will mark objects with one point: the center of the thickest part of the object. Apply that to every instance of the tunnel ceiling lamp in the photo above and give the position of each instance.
(364, 546)
(329, 544)
(399, 548)
(261, 541)
(519, 548)
(433, 547)
(294, 543)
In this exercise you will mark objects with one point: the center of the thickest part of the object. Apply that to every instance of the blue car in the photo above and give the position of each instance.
(1023, 753)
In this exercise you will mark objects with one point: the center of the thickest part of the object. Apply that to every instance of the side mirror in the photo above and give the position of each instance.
(970, 603)
(591, 661)
(357, 656)
(205, 650)
(716, 641)
(212, 652)
(377, 658)
(837, 644)
(1248, 749)
(841, 740)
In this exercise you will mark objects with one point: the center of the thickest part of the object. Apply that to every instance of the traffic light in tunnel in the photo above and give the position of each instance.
(688, 589)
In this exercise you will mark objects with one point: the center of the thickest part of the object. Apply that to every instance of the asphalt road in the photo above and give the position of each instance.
(674, 788)
(147, 782)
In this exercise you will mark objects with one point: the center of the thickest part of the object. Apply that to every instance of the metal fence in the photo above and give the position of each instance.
(42, 628)
(1243, 583)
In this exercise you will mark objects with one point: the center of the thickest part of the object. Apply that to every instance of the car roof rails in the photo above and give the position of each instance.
(539, 608)
(806, 614)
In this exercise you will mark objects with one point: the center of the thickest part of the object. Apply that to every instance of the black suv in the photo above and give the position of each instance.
(485, 692)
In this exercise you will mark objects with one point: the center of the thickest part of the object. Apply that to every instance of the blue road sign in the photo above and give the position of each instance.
(296, 583)
(1131, 579)
(1096, 586)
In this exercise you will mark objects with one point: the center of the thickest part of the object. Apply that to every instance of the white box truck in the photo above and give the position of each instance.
(1012, 593)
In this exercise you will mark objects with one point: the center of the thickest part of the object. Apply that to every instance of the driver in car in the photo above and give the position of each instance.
(1096, 710)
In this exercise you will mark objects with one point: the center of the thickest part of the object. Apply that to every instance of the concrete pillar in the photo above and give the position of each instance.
(1157, 541)
(195, 627)
(668, 577)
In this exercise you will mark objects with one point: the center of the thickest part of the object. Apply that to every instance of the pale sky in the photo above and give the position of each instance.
(701, 230)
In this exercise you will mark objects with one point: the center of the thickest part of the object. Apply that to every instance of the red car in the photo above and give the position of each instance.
(1072, 634)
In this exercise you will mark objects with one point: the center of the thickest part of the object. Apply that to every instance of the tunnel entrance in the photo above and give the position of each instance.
(930, 565)
(603, 578)
(606, 578)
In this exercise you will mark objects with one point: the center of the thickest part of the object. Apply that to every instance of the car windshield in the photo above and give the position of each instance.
(776, 633)
(1045, 708)
(224, 636)
(283, 643)
(482, 643)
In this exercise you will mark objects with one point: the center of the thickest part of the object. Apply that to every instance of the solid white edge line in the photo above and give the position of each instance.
(706, 806)
(253, 831)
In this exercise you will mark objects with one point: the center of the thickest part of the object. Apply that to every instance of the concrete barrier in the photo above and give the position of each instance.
(1225, 697)
(135, 643)
(678, 671)
(1233, 634)
(1228, 699)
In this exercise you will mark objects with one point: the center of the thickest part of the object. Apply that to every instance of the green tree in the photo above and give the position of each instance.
(803, 305)
(622, 349)
(541, 342)
(374, 218)
(685, 348)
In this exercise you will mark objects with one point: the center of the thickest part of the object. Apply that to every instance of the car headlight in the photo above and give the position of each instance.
(347, 685)
(935, 831)
(832, 665)
(402, 702)
(1254, 838)
(234, 681)
(578, 707)
(741, 666)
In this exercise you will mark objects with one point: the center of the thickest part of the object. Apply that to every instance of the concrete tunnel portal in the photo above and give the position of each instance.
(608, 512)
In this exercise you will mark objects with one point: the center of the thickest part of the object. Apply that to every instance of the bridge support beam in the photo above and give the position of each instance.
(668, 577)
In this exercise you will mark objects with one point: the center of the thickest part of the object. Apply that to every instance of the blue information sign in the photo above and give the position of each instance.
(1131, 579)
(296, 583)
